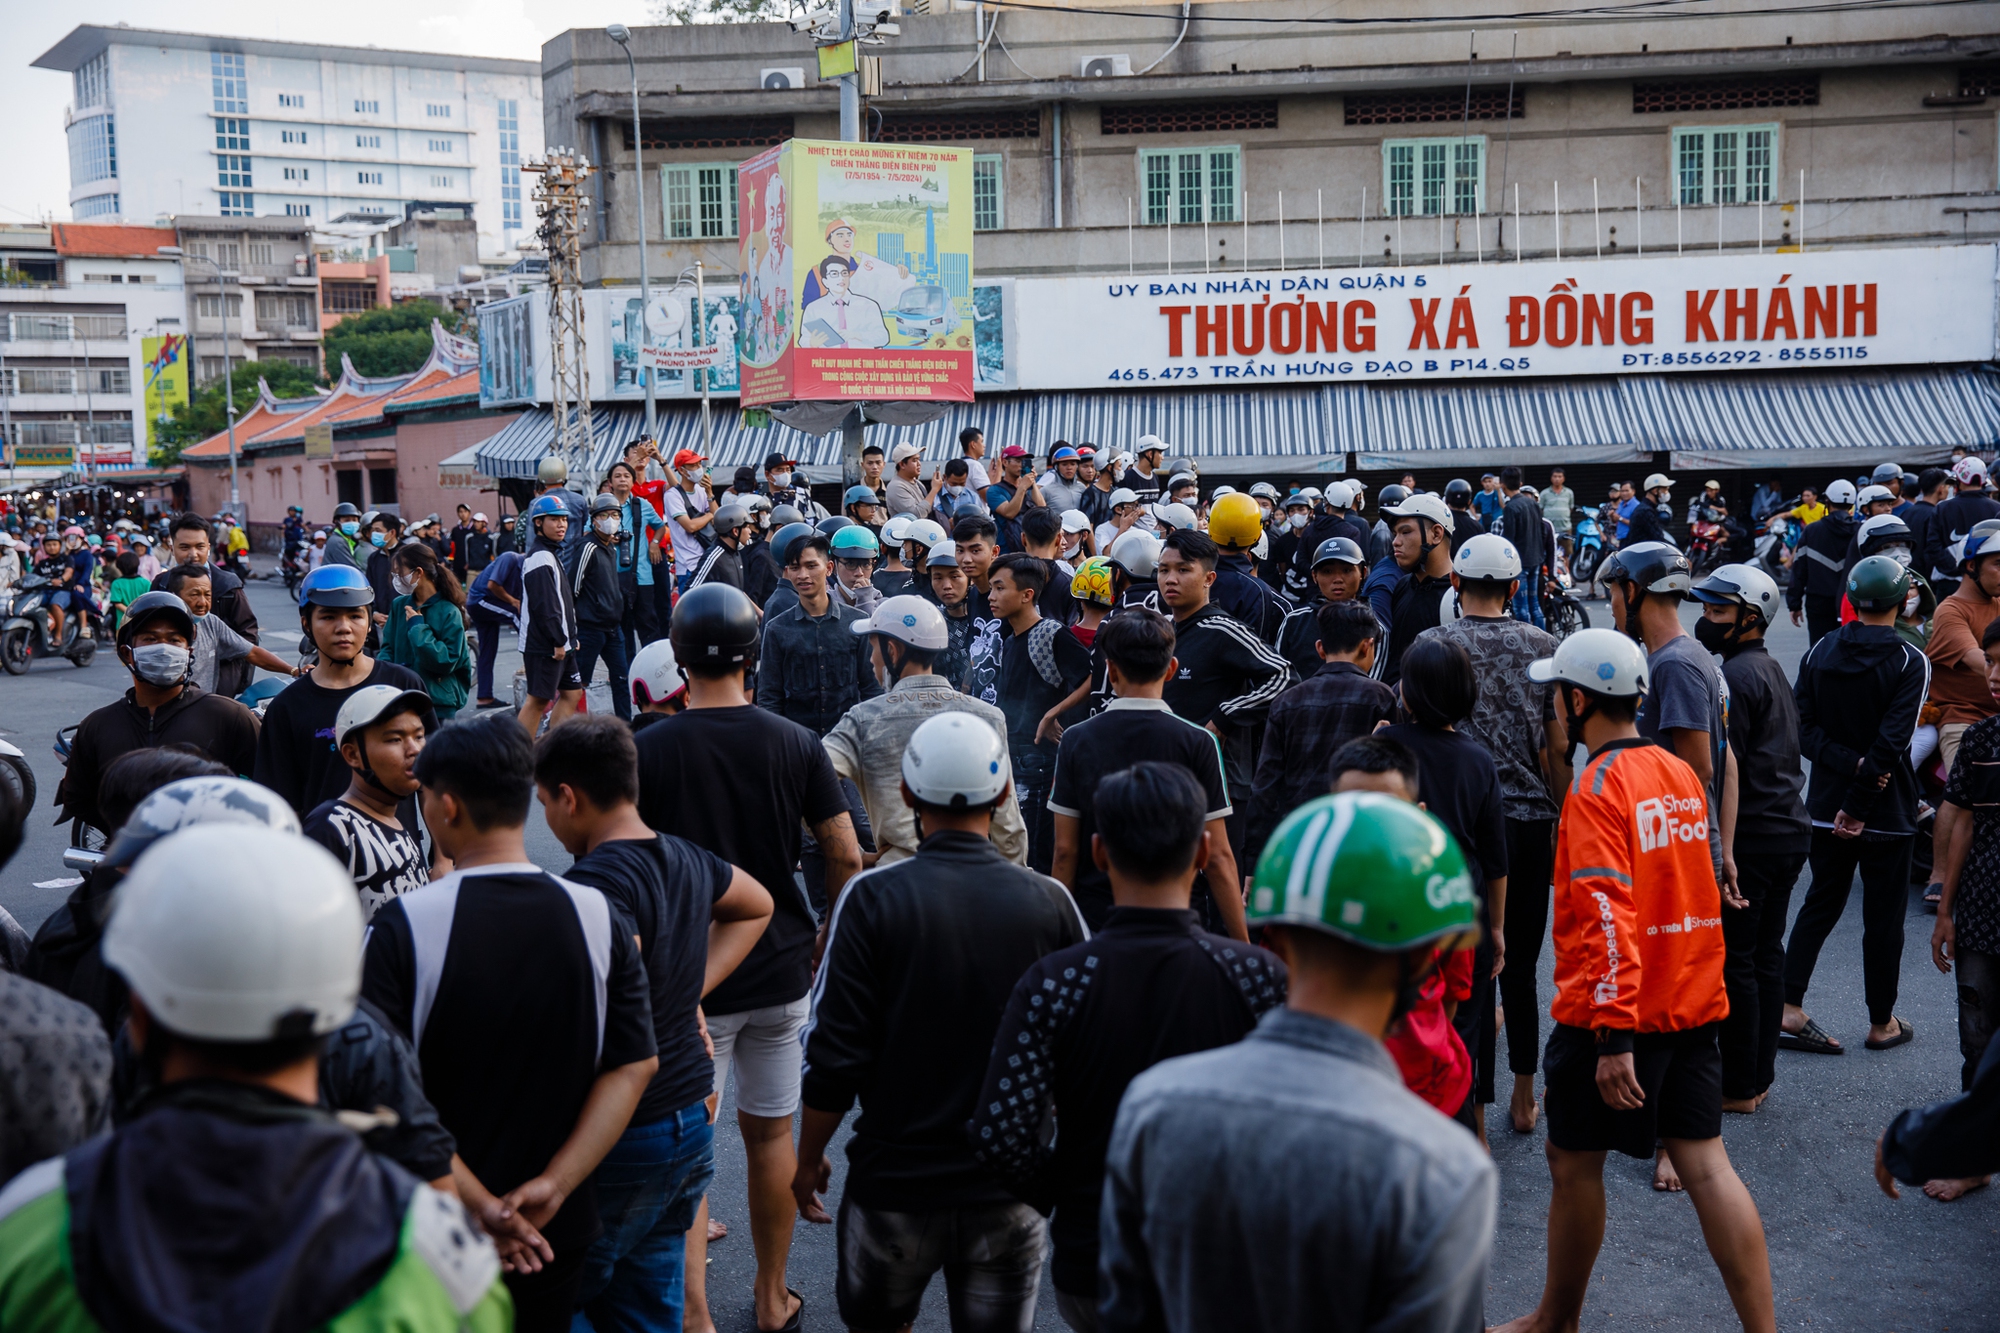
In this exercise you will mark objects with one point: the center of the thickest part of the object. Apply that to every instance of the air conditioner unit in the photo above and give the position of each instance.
(789, 77)
(1107, 67)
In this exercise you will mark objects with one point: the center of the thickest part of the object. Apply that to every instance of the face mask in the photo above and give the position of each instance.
(404, 584)
(350, 528)
(377, 538)
(608, 525)
(1715, 636)
(1299, 520)
(163, 664)
(781, 479)
(1900, 554)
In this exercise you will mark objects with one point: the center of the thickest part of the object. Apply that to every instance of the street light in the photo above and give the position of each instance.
(228, 380)
(622, 35)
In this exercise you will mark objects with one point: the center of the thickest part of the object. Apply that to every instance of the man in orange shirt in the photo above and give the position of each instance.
(1634, 1060)
(1958, 664)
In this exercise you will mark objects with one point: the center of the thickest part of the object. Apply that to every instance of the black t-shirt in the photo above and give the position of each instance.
(667, 887)
(740, 781)
(1457, 782)
(1023, 693)
(384, 861)
(1125, 733)
(517, 989)
(297, 754)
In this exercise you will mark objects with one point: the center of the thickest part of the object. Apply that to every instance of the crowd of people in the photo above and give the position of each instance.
(1156, 866)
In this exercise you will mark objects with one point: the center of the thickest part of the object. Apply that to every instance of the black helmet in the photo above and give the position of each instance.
(715, 623)
(1338, 548)
(150, 606)
(1885, 473)
(1392, 494)
(826, 527)
(345, 510)
(1653, 566)
(1454, 489)
(789, 536)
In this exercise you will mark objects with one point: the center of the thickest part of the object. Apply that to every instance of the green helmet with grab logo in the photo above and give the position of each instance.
(1375, 871)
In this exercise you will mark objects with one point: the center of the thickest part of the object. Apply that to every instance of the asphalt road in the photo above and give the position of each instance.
(1842, 1255)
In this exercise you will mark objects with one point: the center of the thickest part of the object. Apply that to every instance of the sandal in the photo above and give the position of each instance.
(1933, 896)
(1812, 1039)
(798, 1320)
(1904, 1034)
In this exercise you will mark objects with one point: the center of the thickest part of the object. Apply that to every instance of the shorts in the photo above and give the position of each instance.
(991, 1255)
(548, 677)
(768, 1051)
(1679, 1072)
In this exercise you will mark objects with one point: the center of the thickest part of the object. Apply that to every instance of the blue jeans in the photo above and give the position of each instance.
(1528, 601)
(609, 640)
(648, 1188)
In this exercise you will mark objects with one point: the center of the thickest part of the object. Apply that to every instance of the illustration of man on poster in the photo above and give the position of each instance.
(878, 280)
(841, 318)
(771, 279)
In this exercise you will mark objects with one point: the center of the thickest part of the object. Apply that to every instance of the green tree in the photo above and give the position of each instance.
(391, 341)
(203, 415)
(719, 11)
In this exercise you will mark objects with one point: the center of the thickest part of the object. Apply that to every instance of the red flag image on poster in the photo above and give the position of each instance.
(856, 264)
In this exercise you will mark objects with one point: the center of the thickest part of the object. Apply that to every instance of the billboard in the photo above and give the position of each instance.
(166, 381)
(1848, 309)
(508, 334)
(856, 273)
(667, 325)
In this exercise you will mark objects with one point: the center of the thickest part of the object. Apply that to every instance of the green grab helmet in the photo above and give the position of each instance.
(1878, 583)
(1370, 869)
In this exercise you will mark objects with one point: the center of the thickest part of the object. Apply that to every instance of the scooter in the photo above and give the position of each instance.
(1707, 542)
(17, 777)
(293, 566)
(24, 633)
(1561, 611)
(1589, 548)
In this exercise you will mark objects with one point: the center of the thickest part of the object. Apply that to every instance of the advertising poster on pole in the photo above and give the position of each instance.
(856, 264)
(166, 381)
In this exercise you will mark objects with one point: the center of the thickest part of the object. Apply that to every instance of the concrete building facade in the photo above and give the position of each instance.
(168, 123)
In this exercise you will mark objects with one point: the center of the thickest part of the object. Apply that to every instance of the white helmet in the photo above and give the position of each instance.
(656, 674)
(1136, 552)
(1840, 492)
(896, 529)
(203, 800)
(1264, 490)
(1969, 471)
(955, 760)
(1743, 585)
(1262, 550)
(1177, 516)
(1602, 661)
(1487, 556)
(926, 532)
(914, 620)
(1430, 508)
(1449, 610)
(1870, 494)
(1658, 481)
(1123, 495)
(371, 703)
(1339, 494)
(1221, 491)
(239, 934)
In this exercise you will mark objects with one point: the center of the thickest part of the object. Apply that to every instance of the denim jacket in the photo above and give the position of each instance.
(813, 670)
(1291, 1181)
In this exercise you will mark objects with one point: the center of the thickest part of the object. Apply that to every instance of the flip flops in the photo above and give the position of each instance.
(1904, 1034)
(1812, 1039)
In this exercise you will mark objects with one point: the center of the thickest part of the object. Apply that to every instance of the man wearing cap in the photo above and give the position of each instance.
(475, 548)
(1007, 497)
(690, 509)
(905, 494)
(783, 486)
(1061, 487)
(1488, 502)
(1953, 521)
(1646, 525)
(1421, 546)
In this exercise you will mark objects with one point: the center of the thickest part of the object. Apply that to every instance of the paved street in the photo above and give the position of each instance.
(1843, 1256)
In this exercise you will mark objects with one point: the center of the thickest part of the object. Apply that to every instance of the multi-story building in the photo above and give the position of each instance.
(80, 305)
(252, 292)
(1260, 151)
(178, 124)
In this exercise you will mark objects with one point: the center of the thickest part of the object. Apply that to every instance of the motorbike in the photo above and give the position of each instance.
(1779, 539)
(1589, 539)
(1561, 611)
(17, 777)
(24, 631)
(1707, 544)
(82, 837)
(293, 566)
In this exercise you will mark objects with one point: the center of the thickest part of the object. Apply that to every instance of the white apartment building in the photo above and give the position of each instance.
(165, 124)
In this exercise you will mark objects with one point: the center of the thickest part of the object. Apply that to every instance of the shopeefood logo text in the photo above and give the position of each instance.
(1665, 820)
(1687, 925)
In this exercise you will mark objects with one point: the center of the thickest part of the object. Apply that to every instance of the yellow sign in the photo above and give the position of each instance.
(319, 441)
(837, 60)
(166, 381)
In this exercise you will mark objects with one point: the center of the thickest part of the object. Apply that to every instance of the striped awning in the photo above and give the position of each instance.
(1530, 421)
(1780, 420)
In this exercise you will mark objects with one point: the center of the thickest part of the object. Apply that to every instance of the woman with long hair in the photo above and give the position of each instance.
(426, 628)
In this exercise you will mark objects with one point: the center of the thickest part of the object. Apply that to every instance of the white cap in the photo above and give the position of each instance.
(1487, 556)
(955, 760)
(239, 934)
(1602, 661)
(1075, 520)
(480, 518)
(1840, 491)
(896, 529)
(903, 451)
(656, 674)
(1426, 506)
(1123, 495)
(914, 620)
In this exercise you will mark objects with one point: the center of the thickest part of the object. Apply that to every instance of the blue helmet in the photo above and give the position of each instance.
(545, 506)
(855, 543)
(335, 585)
(858, 494)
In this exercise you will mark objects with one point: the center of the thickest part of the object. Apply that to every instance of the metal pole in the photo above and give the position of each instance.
(1131, 260)
(707, 374)
(7, 405)
(1361, 231)
(1802, 210)
(1245, 195)
(1559, 220)
(850, 84)
(1517, 222)
(228, 398)
(1639, 212)
(1281, 231)
(1596, 219)
(645, 282)
(1319, 224)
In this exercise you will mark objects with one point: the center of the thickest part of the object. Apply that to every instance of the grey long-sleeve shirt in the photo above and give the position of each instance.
(1291, 1181)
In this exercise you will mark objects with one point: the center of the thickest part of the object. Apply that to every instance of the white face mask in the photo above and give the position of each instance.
(781, 479)
(608, 524)
(1298, 520)
(404, 584)
(163, 664)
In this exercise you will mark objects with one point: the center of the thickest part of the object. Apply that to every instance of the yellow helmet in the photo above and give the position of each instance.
(1092, 581)
(1235, 522)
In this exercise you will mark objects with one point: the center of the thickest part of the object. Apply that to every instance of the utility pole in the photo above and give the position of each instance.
(622, 35)
(228, 379)
(851, 434)
(560, 201)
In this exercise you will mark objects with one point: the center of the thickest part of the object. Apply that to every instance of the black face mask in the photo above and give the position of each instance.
(1717, 637)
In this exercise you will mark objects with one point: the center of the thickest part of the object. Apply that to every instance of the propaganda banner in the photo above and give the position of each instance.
(166, 381)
